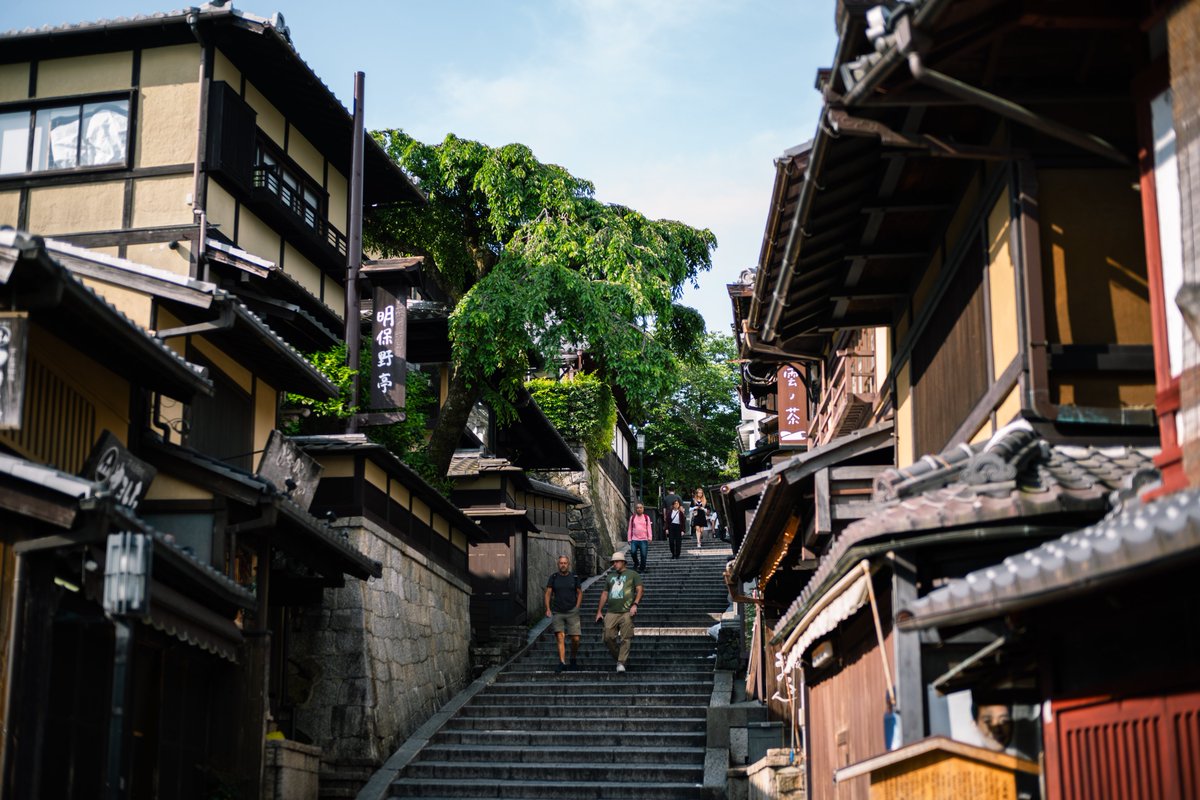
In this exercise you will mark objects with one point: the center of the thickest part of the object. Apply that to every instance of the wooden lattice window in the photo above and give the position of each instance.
(59, 427)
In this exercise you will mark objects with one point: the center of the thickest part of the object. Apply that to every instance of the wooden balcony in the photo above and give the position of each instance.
(849, 396)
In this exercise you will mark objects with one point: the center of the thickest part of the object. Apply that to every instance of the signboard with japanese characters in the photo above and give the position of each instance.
(123, 473)
(792, 405)
(289, 469)
(13, 348)
(388, 350)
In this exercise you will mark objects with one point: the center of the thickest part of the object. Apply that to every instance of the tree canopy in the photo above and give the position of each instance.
(533, 264)
(691, 432)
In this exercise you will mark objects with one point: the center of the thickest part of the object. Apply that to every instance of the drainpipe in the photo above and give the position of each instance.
(199, 191)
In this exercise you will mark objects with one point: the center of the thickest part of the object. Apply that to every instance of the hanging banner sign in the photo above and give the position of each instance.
(126, 475)
(14, 338)
(388, 365)
(289, 469)
(791, 400)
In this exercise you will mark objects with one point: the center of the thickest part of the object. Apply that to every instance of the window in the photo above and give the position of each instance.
(69, 136)
(300, 194)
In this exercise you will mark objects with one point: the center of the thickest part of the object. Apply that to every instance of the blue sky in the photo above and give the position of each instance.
(674, 107)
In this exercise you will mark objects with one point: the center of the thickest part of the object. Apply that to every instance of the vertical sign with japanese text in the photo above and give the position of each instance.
(792, 404)
(13, 348)
(388, 350)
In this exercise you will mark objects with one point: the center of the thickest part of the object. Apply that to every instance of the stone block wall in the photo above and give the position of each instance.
(379, 657)
(291, 771)
(598, 526)
(541, 558)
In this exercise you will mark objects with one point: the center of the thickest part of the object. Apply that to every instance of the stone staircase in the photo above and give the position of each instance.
(593, 733)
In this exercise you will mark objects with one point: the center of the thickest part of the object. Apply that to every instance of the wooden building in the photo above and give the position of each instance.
(978, 209)
(193, 172)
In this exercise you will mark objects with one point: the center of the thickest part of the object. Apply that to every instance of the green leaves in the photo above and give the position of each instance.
(582, 408)
(533, 263)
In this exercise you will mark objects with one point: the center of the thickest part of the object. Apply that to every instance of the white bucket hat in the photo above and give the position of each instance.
(619, 556)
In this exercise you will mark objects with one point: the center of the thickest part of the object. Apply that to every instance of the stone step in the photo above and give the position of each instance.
(577, 722)
(600, 741)
(613, 711)
(605, 676)
(648, 697)
(556, 770)
(554, 686)
(648, 753)
(556, 790)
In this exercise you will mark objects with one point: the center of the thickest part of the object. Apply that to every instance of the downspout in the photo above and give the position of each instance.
(199, 179)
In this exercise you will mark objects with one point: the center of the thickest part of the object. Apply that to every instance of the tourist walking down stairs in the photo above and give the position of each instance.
(639, 532)
(563, 596)
(618, 606)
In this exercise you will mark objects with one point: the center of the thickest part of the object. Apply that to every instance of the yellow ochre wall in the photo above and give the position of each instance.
(1094, 278)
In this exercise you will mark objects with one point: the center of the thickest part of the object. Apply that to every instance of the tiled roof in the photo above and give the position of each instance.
(33, 248)
(47, 477)
(359, 443)
(464, 465)
(551, 490)
(1136, 537)
(1015, 476)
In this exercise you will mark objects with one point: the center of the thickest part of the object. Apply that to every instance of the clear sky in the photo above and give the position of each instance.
(676, 108)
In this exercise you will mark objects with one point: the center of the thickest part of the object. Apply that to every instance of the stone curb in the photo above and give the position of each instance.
(380, 785)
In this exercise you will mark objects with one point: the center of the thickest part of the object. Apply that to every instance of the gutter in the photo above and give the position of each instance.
(796, 233)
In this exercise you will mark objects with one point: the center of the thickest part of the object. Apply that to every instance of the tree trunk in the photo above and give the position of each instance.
(451, 421)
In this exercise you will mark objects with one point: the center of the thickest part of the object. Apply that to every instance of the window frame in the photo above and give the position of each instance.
(305, 183)
(33, 106)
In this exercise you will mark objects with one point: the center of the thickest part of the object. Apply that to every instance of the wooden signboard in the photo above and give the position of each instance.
(126, 475)
(792, 406)
(289, 469)
(938, 767)
(388, 352)
(14, 337)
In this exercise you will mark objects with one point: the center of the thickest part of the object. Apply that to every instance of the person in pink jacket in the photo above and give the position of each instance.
(641, 530)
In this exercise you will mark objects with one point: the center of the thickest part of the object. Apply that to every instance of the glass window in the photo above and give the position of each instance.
(56, 138)
(105, 126)
(65, 137)
(14, 142)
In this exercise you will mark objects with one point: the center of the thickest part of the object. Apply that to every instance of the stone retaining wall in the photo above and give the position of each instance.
(379, 657)
(598, 526)
(541, 560)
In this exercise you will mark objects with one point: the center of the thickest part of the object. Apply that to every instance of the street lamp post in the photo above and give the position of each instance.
(641, 443)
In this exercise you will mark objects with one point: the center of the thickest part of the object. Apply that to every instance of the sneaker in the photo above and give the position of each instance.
(561, 666)
(620, 667)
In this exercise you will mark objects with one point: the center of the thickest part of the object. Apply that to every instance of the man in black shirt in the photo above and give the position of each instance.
(564, 593)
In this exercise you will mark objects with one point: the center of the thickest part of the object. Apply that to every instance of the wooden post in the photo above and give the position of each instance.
(906, 649)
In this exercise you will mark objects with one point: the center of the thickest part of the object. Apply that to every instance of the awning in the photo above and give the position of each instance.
(845, 598)
(177, 615)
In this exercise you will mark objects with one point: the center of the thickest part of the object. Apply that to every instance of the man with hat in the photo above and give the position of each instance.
(618, 607)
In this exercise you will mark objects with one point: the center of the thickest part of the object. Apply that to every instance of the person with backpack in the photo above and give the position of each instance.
(563, 596)
(639, 532)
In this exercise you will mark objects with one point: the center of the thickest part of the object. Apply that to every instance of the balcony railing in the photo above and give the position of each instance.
(850, 394)
(268, 180)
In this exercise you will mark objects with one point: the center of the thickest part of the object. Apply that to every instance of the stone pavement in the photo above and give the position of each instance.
(527, 731)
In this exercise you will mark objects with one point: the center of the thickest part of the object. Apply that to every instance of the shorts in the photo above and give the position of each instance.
(565, 620)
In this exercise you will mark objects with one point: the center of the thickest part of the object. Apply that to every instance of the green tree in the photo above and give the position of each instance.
(692, 432)
(532, 263)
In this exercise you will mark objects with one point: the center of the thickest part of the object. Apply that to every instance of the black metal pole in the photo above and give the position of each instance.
(354, 248)
(115, 788)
